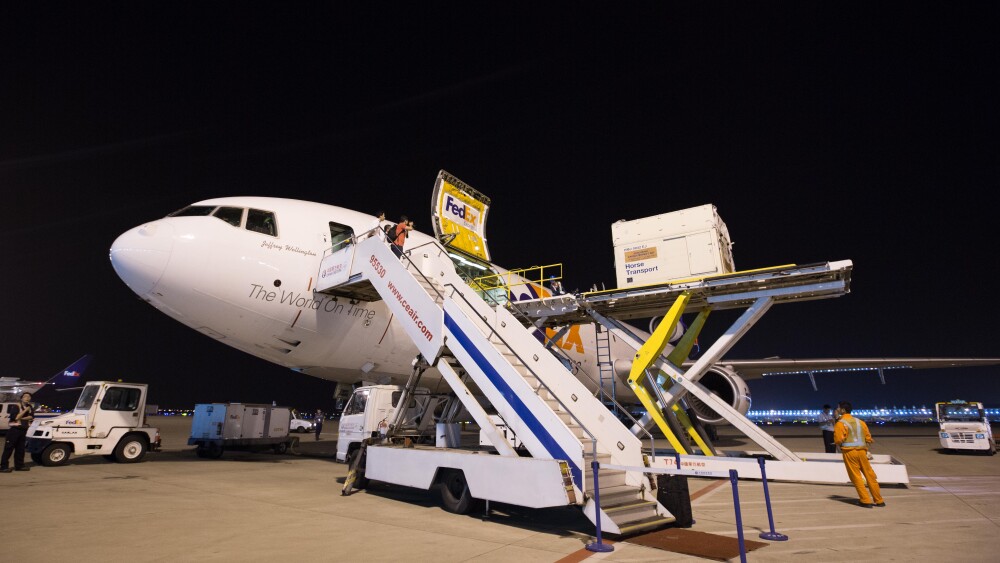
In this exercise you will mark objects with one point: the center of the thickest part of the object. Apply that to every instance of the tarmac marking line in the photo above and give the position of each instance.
(580, 555)
(706, 490)
(867, 525)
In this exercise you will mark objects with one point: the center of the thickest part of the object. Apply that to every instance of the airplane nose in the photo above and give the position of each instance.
(140, 255)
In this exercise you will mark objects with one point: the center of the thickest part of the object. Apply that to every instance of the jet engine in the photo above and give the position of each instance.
(728, 386)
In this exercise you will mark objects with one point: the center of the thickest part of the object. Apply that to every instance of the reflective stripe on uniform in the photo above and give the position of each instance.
(855, 435)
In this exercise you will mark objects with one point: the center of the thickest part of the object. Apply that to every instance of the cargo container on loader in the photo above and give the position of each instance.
(671, 246)
(236, 426)
(109, 419)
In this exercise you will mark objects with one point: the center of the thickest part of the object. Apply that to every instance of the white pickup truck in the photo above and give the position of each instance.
(964, 426)
(109, 419)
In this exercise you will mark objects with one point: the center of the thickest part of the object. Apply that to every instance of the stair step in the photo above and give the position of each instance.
(626, 506)
(620, 494)
(627, 513)
(646, 525)
(612, 478)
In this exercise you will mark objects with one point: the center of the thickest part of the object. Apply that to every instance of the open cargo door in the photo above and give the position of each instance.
(459, 217)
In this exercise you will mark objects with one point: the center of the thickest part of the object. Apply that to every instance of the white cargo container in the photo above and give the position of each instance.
(672, 246)
(237, 426)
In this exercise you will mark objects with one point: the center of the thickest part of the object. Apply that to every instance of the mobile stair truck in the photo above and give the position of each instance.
(964, 426)
(217, 427)
(560, 426)
(109, 419)
(547, 431)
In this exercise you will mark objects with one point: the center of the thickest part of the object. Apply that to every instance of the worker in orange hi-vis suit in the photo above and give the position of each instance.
(852, 435)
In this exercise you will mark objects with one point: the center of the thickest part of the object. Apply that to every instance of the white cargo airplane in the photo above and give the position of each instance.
(243, 270)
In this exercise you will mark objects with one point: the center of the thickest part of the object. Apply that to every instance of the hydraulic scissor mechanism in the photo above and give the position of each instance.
(649, 383)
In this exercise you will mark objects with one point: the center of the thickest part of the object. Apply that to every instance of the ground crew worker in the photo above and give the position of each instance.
(17, 435)
(402, 231)
(826, 422)
(318, 423)
(852, 435)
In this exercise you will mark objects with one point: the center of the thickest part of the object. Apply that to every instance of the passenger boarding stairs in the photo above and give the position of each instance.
(551, 412)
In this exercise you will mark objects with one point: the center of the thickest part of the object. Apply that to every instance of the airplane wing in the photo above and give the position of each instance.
(756, 369)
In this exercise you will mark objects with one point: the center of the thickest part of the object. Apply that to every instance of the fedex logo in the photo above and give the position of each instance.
(71, 373)
(571, 340)
(461, 210)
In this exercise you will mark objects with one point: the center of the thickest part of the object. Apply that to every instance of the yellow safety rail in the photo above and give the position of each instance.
(536, 275)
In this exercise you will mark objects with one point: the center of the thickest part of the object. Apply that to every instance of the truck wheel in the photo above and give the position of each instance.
(55, 455)
(131, 449)
(455, 495)
(281, 448)
(214, 451)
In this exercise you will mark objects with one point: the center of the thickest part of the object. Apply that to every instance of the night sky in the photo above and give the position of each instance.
(820, 131)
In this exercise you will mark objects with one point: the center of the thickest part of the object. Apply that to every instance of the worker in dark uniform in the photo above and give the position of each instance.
(16, 436)
(852, 435)
(318, 422)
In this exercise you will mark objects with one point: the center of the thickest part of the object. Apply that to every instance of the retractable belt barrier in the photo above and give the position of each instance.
(733, 477)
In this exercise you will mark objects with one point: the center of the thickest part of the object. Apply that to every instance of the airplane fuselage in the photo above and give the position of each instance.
(255, 290)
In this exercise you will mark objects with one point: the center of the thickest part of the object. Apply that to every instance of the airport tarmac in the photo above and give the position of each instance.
(256, 507)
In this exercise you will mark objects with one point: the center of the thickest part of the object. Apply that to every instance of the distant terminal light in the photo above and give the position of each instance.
(893, 414)
(832, 370)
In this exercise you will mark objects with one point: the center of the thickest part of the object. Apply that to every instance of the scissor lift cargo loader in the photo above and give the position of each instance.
(491, 360)
(755, 291)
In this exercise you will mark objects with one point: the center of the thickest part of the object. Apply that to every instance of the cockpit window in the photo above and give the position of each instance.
(261, 222)
(193, 211)
(231, 215)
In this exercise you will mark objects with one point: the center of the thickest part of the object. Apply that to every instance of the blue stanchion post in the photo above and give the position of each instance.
(677, 458)
(772, 535)
(739, 518)
(598, 546)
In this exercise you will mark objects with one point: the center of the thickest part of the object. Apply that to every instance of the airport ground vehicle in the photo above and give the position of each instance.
(462, 471)
(549, 434)
(7, 410)
(109, 419)
(298, 424)
(964, 426)
(218, 427)
(372, 408)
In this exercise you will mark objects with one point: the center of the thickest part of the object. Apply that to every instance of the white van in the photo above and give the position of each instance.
(964, 426)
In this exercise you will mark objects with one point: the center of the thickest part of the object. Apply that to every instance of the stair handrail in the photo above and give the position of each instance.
(455, 290)
(524, 319)
(593, 439)
(353, 239)
(600, 390)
